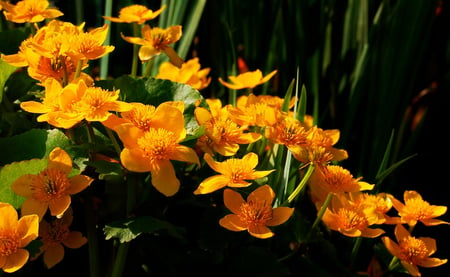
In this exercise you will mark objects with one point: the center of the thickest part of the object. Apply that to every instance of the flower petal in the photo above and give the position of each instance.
(260, 231)
(53, 255)
(75, 240)
(22, 185)
(28, 229)
(164, 178)
(212, 184)
(232, 223)
(262, 193)
(59, 159)
(79, 183)
(16, 260)
(58, 206)
(133, 160)
(280, 215)
(32, 206)
(233, 200)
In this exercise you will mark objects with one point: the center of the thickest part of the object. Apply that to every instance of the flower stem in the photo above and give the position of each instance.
(355, 250)
(92, 238)
(134, 63)
(78, 70)
(302, 183)
(120, 259)
(322, 211)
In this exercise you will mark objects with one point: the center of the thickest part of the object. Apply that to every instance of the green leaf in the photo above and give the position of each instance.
(128, 229)
(5, 71)
(38, 143)
(108, 171)
(9, 174)
(156, 91)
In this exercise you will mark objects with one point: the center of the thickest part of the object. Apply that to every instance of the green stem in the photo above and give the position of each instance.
(105, 59)
(78, 70)
(134, 64)
(393, 263)
(302, 183)
(114, 141)
(92, 238)
(120, 259)
(122, 252)
(148, 67)
(355, 250)
(322, 211)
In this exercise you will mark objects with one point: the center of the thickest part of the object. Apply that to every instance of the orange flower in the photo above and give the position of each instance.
(222, 135)
(254, 215)
(15, 235)
(319, 147)
(353, 219)
(189, 73)
(412, 251)
(234, 172)
(152, 150)
(248, 79)
(55, 235)
(336, 179)
(68, 106)
(255, 110)
(416, 209)
(29, 11)
(135, 13)
(156, 40)
(51, 188)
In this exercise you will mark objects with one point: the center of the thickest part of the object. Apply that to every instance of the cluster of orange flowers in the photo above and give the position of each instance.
(56, 55)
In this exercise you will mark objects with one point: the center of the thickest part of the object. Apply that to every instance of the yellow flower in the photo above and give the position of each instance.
(189, 73)
(353, 219)
(233, 173)
(89, 45)
(254, 215)
(336, 179)
(152, 150)
(411, 251)
(58, 49)
(248, 79)
(223, 135)
(255, 110)
(288, 131)
(135, 13)
(416, 209)
(68, 106)
(15, 235)
(29, 11)
(156, 40)
(319, 147)
(52, 188)
(55, 235)
(143, 116)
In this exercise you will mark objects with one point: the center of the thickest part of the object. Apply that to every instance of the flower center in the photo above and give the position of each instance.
(255, 212)
(9, 243)
(157, 144)
(413, 250)
(418, 208)
(50, 184)
(350, 219)
(56, 233)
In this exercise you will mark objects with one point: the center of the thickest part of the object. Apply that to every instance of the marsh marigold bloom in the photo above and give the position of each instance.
(64, 107)
(416, 209)
(144, 116)
(156, 40)
(15, 235)
(152, 150)
(52, 188)
(29, 11)
(256, 214)
(234, 173)
(189, 73)
(135, 13)
(353, 219)
(223, 135)
(255, 110)
(55, 235)
(249, 79)
(411, 251)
